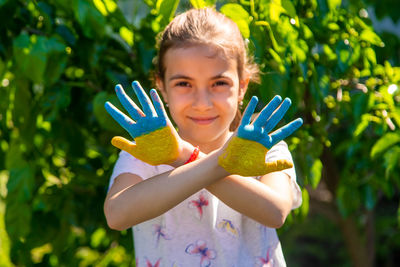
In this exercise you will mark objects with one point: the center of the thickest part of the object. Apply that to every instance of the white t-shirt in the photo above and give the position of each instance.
(202, 230)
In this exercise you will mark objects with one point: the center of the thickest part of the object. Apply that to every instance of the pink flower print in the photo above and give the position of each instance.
(227, 226)
(267, 261)
(160, 232)
(200, 249)
(199, 204)
(149, 264)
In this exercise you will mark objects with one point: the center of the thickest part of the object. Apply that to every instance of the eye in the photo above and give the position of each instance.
(182, 84)
(220, 83)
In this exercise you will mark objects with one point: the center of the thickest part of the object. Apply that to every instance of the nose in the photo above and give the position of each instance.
(202, 100)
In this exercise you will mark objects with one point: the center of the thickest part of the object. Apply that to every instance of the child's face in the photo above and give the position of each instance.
(202, 89)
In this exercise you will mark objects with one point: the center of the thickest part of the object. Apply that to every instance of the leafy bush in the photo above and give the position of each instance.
(60, 60)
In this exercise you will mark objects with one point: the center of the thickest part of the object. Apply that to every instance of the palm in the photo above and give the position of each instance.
(245, 153)
(156, 141)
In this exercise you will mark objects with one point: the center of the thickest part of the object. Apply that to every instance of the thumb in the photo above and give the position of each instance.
(124, 144)
(277, 165)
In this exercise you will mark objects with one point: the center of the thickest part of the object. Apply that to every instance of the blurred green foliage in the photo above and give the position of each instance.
(60, 60)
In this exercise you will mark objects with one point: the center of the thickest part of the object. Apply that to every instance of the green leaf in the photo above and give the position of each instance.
(126, 35)
(305, 206)
(384, 143)
(17, 219)
(315, 173)
(273, 83)
(289, 8)
(369, 197)
(134, 11)
(392, 160)
(21, 183)
(365, 119)
(2, 2)
(275, 10)
(370, 37)
(333, 4)
(202, 3)
(2, 68)
(90, 18)
(370, 55)
(56, 60)
(166, 10)
(55, 101)
(239, 15)
(105, 120)
(30, 54)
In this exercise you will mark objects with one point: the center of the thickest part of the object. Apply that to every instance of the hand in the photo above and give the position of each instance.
(156, 141)
(245, 153)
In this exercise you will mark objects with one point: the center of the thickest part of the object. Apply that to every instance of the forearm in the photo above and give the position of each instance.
(253, 199)
(156, 195)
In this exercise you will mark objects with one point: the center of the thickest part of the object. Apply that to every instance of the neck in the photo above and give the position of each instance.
(210, 146)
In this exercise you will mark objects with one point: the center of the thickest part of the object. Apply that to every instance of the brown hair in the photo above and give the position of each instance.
(207, 27)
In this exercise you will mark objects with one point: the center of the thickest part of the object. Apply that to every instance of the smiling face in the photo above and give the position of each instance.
(202, 88)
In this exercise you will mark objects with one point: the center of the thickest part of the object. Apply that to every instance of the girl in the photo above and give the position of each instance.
(202, 196)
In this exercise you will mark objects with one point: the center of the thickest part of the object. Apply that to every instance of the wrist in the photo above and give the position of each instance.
(185, 153)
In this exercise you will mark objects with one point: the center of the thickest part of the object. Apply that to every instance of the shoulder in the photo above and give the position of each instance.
(126, 163)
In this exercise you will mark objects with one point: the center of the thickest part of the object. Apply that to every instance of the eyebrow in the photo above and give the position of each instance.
(181, 76)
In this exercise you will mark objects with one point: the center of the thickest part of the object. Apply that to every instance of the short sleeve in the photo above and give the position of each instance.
(281, 151)
(126, 163)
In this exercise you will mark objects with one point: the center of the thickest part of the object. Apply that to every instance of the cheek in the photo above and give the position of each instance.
(176, 108)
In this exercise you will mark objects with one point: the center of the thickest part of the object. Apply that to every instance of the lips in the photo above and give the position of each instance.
(203, 120)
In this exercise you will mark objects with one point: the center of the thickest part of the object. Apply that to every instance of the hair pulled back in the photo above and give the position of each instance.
(207, 27)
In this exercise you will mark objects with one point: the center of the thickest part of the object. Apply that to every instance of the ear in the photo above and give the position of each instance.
(161, 88)
(243, 84)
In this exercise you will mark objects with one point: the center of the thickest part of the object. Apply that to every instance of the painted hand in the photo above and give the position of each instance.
(245, 153)
(155, 138)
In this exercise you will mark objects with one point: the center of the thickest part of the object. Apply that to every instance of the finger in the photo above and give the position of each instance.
(144, 100)
(285, 131)
(120, 117)
(124, 144)
(158, 104)
(246, 119)
(130, 106)
(277, 115)
(267, 111)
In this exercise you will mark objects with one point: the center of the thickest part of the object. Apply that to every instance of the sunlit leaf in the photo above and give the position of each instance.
(371, 37)
(315, 173)
(384, 143)
(239, 15)
(166, 10)
(202, 3)
(333, 4)
(127, 35)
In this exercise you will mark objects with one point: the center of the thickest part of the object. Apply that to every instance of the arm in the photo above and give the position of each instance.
(267, 201)
(131, 200)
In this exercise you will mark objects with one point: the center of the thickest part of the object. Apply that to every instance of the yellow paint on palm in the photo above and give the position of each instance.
(247, 158)
(155, 148)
